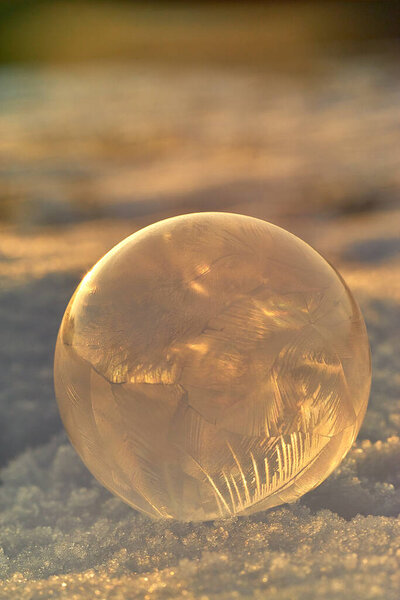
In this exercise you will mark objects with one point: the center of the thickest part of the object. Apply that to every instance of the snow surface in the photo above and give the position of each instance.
(87, 157)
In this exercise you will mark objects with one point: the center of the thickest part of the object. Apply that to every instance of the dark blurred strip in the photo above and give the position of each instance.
(230, 32)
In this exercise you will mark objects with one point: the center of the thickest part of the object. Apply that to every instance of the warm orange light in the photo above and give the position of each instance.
(220, 368)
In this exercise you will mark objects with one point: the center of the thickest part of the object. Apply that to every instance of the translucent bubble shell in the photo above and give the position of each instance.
(211, 365)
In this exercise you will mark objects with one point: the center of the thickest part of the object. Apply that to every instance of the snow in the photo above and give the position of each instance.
(73, 183)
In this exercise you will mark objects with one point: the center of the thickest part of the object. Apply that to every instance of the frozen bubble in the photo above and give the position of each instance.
(210, 365)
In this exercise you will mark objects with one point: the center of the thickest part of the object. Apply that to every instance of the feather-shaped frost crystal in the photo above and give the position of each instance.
(210, 365)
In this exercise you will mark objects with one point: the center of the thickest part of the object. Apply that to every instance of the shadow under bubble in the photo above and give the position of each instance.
(30, 315)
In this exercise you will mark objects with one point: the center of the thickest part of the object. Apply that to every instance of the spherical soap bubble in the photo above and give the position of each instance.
(210, 365)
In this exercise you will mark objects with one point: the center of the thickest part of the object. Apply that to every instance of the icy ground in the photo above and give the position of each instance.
(87, 157)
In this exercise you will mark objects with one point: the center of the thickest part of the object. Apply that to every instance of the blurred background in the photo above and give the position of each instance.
(125, 109)
(117, 114)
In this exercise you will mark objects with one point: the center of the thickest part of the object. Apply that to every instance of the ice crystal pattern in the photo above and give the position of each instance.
(210, 365)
